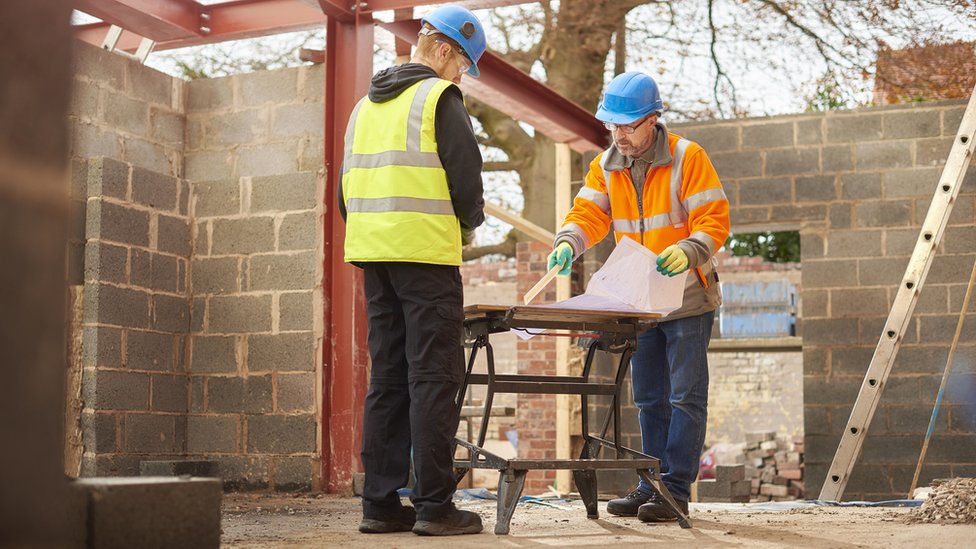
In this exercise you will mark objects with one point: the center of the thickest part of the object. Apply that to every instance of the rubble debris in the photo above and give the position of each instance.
(950, 502)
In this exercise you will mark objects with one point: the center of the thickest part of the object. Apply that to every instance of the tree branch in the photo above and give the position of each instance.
(505, 248)
(719, 73)
(504, 166)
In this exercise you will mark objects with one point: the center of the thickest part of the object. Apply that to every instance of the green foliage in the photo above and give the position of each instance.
(775, 247)
(833, 92)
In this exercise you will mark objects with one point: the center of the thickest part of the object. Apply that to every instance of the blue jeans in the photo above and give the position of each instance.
(670, 380)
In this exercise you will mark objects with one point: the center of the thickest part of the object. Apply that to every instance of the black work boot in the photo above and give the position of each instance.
(454, 523)
(656, 511)
(400, 520)
(627, 506)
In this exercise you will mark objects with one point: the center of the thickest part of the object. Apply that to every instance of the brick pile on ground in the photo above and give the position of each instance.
(774, 465)
(950, 502)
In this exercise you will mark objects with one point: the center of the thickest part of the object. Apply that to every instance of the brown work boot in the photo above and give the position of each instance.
(454, 523)
(627, 506)
(401, 520)
(656, 511)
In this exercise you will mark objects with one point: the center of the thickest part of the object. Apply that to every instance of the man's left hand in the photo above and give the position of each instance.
(673, 260)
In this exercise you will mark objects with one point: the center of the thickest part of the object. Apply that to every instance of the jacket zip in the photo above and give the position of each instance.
(640, 203)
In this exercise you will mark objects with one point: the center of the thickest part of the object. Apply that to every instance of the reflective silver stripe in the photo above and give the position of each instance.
(412, 157)
(350, 134)
(601, 200)
(705, 197)
(705, 239)
(399, 204)
(575, 235)
(658, 221)
(416, 118)
(394, 158)
(626, 226)
(678, 213)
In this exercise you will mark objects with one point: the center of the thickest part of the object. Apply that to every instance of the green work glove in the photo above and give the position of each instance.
(673, 260)
(562, 255)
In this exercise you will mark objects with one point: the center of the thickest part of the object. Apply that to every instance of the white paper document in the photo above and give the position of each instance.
(628, 282)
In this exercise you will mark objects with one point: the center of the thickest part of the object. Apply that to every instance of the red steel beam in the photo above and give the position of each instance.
(508, 89)
(342, 10)
(159, 20)
(348, 69)
(382, 5)
(229, 21)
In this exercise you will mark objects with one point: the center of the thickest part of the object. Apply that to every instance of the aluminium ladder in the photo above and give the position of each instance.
(931, 234)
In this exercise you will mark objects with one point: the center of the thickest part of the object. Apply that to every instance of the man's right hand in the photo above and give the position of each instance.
(562, 255)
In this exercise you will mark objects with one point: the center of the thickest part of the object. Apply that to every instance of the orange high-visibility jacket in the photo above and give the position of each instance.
(682, 203)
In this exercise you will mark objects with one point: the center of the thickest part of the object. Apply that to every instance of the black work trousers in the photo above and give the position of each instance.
(415, 342)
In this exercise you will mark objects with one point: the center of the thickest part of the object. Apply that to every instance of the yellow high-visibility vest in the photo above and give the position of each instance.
(398, 204)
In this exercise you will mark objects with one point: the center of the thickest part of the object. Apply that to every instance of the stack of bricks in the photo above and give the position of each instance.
(774, 465)
(729, 485)
(535, 415)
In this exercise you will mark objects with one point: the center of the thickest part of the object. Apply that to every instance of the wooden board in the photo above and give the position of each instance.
(535, 312)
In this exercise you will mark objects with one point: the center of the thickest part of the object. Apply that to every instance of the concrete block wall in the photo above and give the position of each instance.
(220, 356)
(136, 317)
(752, 391)
(122, 110)
(857, 185)
(254, 353)
(257, 124)
(254, 145)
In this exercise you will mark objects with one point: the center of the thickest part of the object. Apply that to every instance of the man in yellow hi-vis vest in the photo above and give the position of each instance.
(411, 189)
(661, 190)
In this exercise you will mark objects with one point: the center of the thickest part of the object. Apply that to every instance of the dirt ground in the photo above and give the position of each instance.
(276, 521)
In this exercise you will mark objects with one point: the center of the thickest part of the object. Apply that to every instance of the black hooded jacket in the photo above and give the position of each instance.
(456, 142)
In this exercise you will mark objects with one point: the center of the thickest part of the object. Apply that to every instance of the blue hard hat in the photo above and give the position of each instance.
(461, 25)
(629, 97)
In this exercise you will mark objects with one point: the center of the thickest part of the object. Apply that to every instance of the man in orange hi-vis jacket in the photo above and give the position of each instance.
(660, 190)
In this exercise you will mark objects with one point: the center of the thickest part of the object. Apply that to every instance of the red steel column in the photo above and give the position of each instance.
(348, 68)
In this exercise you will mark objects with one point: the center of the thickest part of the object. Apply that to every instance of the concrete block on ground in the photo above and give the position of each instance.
(730, 473)
(736, 499)
(151, 512)
(178, 467)
(724, 490)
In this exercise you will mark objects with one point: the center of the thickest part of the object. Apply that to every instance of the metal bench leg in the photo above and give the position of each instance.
(662, 491)
(586, 484)
(510, 484)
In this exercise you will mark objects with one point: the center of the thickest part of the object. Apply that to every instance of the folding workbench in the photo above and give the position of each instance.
(607, 331)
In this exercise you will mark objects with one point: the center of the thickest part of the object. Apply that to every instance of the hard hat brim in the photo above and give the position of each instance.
(603, 115)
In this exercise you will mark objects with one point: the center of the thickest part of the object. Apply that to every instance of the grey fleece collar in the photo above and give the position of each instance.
(658, 155)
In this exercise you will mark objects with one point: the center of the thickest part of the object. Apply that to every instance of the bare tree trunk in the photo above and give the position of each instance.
(574, 51)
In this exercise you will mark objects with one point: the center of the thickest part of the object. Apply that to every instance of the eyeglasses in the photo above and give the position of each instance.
(625, 129)
(463, 62)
